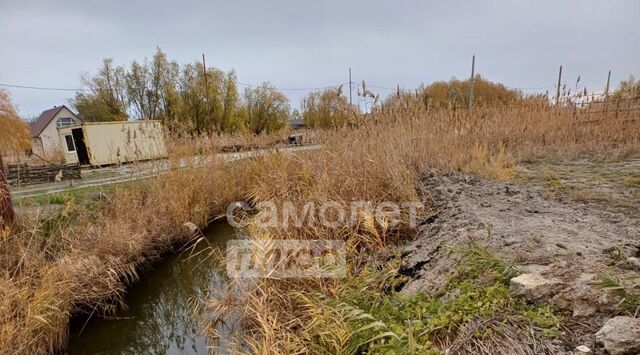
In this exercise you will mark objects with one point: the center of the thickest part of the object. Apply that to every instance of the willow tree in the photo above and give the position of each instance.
(150, 87)
(105, 97)
(215, 109)
(326, 109)
(455, 93)
(265, 109)
(14, 138)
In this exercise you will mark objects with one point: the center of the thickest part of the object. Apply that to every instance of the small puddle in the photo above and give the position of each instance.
(159, 318)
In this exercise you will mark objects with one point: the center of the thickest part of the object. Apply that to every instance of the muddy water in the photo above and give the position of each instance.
(159, 318)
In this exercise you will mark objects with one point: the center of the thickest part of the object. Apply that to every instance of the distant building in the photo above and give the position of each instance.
(44, 131)
(297, 124)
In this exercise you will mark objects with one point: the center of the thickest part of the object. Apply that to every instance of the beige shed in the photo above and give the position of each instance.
(106, 143)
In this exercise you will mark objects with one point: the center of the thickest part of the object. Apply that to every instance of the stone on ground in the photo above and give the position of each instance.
(634, 262)
(620, 336)
(583, 349)
(534, 287)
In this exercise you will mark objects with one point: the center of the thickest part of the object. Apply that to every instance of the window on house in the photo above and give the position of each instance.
(71, 147)
(65, 121)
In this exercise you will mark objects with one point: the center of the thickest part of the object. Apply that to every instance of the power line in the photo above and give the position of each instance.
(413, 89)
(295, 89)
(380, 87)
(533, 88)
(40, 88)
(249, 85)
(277, 88)
(392, 89)
(239, 83)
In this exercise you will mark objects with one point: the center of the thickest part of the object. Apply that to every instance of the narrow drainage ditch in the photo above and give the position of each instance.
(159, 317)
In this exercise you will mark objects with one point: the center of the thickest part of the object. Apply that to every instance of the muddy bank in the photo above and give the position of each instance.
(576, 244)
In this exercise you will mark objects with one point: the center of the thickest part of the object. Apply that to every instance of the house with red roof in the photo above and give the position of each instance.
(44, 131)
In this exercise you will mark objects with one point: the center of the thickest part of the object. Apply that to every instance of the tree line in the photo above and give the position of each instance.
(186, 98)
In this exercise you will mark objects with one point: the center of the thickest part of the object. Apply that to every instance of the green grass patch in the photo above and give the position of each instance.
(557, 185)
(58, 198)
(478, 262)
(76, 195)
(368, 316)
(628, 299)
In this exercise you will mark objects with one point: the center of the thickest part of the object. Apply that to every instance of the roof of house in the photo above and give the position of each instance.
(45, 118)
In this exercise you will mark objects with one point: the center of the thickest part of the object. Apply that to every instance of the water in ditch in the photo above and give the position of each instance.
(159, 318)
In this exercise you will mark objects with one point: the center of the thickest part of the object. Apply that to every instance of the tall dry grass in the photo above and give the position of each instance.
(83, 259)
(382, 160)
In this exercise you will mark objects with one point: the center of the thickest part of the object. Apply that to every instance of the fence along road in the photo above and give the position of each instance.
(151, 169)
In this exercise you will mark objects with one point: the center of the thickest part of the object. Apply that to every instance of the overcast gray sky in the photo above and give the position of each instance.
(301, 44)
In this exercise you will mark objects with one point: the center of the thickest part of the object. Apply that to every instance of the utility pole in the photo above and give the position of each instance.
(473, 69)
(558, 89)
(7, 216)
(606, 90)
(350, 100)
(206, 88)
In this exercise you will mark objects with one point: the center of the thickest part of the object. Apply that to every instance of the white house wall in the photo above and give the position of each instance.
(49, 140)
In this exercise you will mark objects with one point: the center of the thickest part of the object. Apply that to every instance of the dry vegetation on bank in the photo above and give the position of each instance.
(82, 260)
(382, 161)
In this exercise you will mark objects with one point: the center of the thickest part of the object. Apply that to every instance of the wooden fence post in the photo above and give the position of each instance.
(7, 216)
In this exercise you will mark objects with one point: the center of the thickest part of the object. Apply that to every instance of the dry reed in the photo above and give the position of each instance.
(382, 160)
(82, 260)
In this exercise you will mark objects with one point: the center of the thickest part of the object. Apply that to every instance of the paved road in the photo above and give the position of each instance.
(132, 172)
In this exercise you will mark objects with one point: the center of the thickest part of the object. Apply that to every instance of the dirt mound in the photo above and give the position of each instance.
(575, 243)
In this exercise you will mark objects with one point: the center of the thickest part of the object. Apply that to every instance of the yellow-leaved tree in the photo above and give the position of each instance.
(326, 109)
(15, 136)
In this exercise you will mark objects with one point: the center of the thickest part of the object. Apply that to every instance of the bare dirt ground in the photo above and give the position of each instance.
(543, 222)
(612, 186)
